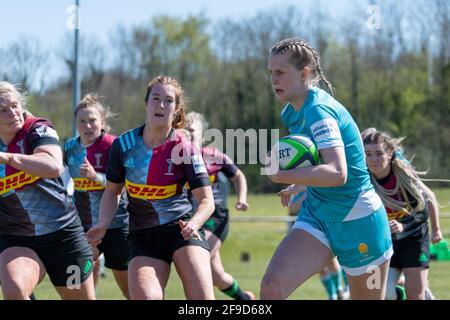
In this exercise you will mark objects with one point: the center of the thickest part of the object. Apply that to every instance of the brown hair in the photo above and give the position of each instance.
(92, 100)
(303, 55)
(180, 99)
(373, 136)
(406, 175)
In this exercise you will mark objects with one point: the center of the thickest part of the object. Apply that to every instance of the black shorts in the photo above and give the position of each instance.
(411, 252)
(114, 247)
(218, 223)
(161, 242)
(64, 253)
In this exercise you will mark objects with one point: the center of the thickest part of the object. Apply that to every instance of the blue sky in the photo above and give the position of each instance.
(47, 20)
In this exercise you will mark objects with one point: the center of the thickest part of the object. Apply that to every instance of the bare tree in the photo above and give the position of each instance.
(24, 62)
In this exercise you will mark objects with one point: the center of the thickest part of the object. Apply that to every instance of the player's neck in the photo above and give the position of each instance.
(7, 136)
(155, 136)
(383, 173)
(298, 101)
(87, 143)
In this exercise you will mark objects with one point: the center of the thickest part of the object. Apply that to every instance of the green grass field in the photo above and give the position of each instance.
(259, 239)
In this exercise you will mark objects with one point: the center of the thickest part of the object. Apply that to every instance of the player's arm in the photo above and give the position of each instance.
(110, 202)
(115, 174)
(198, 179)
(205, 200)
(204, 197)
(295, 203)
(290, 191)
(46, 161)
(410, 223)
(237, 178)
(108, 208)
(433, 212)
(240, 185)
(88, 171)
(332, 171)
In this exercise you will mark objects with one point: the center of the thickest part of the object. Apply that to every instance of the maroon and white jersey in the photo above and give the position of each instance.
(216, 162)
(154, 179)
(31, 205)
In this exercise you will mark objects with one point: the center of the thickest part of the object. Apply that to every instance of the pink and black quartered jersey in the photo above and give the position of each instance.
(154, 179)
(88, 193)
(31, 205)
(216, 162)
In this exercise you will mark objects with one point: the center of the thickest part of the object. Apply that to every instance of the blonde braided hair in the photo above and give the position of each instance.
(303, 55)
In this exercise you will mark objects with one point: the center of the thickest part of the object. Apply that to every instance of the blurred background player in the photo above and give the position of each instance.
(408, 202)
(86, 157)
(217, 226)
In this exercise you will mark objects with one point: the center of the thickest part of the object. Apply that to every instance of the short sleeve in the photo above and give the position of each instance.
(65, 152)
(228, 168)
(41, 133)
(115, 172)
(194, 166)
(323, 125)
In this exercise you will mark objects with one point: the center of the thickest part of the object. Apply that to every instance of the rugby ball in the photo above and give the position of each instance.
(296, 151)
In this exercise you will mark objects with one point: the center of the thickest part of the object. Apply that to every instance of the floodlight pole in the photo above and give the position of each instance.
(76, 78)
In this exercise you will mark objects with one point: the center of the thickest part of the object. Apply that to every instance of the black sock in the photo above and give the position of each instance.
(32, 296)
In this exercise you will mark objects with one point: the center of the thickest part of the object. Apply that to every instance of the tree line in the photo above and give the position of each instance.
(394, 76)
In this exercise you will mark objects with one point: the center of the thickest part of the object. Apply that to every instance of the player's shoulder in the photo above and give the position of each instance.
(105, 141)
(127, 140)
(71, 143)
(39, 128)
(181, 142)
(33, 123)
(108, 138)
(211, 151)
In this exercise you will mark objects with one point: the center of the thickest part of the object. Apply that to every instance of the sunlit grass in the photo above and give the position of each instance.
(259, 239)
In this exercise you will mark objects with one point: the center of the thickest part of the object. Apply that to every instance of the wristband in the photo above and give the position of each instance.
(100, 178)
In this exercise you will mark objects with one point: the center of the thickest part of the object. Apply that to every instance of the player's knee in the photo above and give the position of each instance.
(415, 293)
(15, 290)
(126, 293)
(271, 289)
(146, 294)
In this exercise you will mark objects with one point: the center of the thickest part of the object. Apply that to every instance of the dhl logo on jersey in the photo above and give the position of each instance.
(16, 181)
(396, 215)
(212, 179)
(84, 184)
(147, 192)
